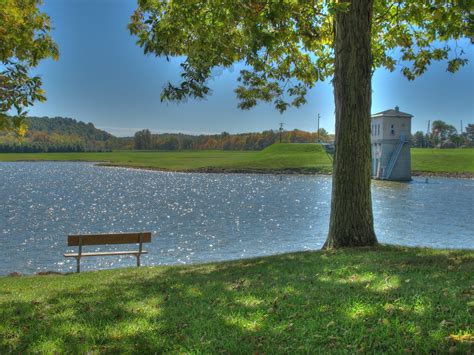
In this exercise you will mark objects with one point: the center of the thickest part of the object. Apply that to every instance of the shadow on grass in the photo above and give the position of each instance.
(379, 300)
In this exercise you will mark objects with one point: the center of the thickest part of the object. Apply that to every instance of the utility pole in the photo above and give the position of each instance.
(460, 132)
(281, 129)
(318, 126)
(428, 133)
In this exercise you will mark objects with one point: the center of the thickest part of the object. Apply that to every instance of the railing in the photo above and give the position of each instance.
(394, 157)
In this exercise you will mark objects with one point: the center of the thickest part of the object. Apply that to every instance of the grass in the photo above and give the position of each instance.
(278, 157)
(385, 299)
(443, 160)
(304, 158)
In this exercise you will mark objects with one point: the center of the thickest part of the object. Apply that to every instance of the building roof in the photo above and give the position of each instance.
(392, 113)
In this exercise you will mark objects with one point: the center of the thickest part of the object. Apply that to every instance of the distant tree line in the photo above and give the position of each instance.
(40, 148)
(67, 127)
(444, 135)
(57, 134)
(145, 140)
(60, 134)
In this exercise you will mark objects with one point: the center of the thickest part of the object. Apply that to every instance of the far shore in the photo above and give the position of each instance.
(279, 159)
(458, 175)
(217, 170)
(290, 171)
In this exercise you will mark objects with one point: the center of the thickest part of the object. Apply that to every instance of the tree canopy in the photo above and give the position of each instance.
(442, 129)
(287, 46)
(24, 41)
(58, 134)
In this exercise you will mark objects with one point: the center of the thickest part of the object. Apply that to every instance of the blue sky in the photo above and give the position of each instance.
(103, 77)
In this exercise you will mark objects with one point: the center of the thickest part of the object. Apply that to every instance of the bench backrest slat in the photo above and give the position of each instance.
(109, 238)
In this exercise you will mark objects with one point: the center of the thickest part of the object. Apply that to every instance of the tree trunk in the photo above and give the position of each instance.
(351, 222)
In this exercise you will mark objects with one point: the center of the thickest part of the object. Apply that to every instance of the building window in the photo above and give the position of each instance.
(392, 131)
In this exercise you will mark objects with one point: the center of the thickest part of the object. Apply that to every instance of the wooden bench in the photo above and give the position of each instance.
(110, 238)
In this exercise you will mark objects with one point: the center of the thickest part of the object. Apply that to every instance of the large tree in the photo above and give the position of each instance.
(286, 46)
(24, 41)
(470, 133)
(442, 129)
(142, 140)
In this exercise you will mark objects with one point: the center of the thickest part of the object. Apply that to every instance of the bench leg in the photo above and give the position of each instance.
(78, 260)
(138, 260)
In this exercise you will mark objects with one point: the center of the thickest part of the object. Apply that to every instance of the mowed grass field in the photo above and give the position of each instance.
(443, 160)
(275, 157)
(380, 300)
(309, 158)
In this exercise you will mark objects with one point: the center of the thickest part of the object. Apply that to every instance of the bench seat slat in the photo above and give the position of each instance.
(108, 238)
(104, 253)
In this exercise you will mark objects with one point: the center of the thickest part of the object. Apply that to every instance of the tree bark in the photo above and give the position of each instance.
(351, 221)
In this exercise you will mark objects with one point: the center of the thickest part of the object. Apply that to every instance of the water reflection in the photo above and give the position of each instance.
(205, 217)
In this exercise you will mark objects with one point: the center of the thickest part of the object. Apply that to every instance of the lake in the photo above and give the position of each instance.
(205, 217)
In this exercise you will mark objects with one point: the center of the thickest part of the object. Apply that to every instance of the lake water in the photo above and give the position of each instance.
(205, 217)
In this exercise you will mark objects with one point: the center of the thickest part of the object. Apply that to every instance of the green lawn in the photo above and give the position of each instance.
(443, 160)
(301, 157)
(148, 159)
(309, 158)
(385, 299)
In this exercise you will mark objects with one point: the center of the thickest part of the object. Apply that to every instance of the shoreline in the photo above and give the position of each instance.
(380, 246)
(221, 170)
(216, 170)
(286, 171)
(457, 175)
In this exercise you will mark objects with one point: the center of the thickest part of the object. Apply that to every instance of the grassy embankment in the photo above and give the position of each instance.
(386, 299)
(303, 158)
(443, 160)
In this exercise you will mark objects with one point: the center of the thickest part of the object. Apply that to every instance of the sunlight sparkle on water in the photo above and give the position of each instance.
(205, 217)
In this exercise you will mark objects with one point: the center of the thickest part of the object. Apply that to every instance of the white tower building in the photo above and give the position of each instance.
(390, 134)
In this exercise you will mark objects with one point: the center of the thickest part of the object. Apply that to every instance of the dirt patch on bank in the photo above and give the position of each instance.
(444, 174)
(288, 171)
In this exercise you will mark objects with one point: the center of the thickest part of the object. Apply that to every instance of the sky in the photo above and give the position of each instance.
(103, 77)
